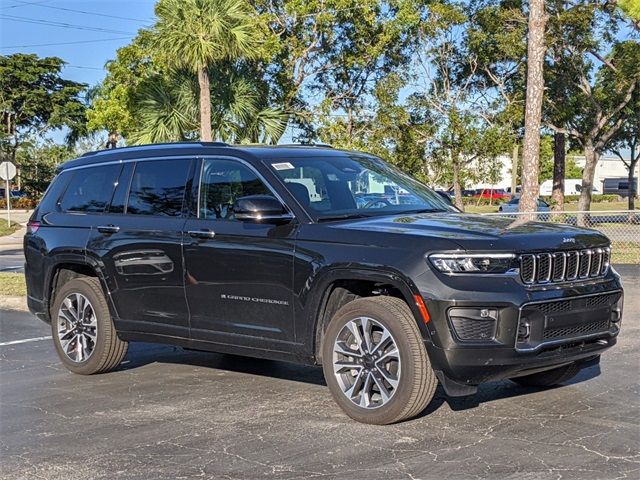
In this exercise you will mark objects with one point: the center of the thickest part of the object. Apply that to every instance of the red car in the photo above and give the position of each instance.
(494, 193)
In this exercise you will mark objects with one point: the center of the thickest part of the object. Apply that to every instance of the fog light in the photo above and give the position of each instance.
(524, 331)
(616, 315)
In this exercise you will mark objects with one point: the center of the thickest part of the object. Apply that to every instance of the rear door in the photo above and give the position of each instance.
(239, 274)
(138, 243)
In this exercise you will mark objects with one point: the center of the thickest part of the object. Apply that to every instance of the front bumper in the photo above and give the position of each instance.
(517, 331)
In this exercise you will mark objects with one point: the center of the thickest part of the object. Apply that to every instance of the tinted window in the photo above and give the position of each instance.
(55, 189)
(157, 187)
(90, 189)
(222, 182)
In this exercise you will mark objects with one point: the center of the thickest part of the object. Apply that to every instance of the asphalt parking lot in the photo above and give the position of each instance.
(169, 413)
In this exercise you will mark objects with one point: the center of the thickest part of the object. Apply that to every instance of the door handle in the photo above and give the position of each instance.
(108, 229)
(207, 234)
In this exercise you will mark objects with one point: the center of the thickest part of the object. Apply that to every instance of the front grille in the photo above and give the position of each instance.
(576, 330)
(558, 267)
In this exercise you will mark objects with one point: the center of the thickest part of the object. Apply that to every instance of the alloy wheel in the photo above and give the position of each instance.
(77, 327)
(366, 362)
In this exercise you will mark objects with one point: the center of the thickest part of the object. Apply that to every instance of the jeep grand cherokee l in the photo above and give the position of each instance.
(312, 255)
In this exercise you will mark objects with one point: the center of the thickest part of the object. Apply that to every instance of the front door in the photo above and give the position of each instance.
(238, 276)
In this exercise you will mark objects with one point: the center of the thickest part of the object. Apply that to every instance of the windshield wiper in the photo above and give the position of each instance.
(426, 210)
(346, 216)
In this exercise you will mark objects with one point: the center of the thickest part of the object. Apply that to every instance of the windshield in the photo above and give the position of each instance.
(354, 186)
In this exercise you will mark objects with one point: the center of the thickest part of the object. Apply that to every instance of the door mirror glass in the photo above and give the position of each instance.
(258, 208)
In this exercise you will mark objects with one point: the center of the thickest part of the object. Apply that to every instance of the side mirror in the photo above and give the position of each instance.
(261, 208)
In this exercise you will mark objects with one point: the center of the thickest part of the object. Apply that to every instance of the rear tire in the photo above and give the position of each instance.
(389, 366)
(83, 332)
(549, 378)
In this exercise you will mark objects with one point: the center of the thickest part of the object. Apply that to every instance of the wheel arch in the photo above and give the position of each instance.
(339, 286)
(67, 267)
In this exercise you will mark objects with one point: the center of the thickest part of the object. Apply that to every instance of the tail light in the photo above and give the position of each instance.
(32, 226)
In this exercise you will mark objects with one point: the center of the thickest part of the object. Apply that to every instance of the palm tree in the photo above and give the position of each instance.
(198, 34)
(165, 109)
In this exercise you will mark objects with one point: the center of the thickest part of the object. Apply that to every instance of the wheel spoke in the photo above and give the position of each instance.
(342, 348)
(365, 396)
(355, 388)
(366, 334)
(343, 366)
(388, 376)
(70, 308)
(390, 355)
(383, 342)
(384, 393)
(355, 331)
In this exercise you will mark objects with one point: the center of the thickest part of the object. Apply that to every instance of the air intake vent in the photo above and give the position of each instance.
(559, 267)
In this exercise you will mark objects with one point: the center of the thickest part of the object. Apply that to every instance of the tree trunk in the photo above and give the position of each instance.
(559, 162)
(456, 182)
(533, 108)
(205, 105)
(591, 161)
(633, 191)
(514, 169)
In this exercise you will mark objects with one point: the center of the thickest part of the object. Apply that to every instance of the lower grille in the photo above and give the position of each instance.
(470, 330)
(576, 330)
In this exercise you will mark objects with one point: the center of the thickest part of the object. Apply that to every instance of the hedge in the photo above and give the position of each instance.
(19, 203)
(594, 198)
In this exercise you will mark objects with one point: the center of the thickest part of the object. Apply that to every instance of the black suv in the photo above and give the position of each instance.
(312, 255)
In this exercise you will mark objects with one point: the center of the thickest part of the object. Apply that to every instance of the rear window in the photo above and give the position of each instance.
(90, 189)
(157, 187)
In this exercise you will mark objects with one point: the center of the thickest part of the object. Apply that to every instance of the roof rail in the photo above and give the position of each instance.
(307, 144)
(155, 145)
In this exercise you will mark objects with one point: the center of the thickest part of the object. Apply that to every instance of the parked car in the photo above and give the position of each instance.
(265, 252)
(492, 193)
(15, 194)
(618, 186)
(572, 186)
(512, 206)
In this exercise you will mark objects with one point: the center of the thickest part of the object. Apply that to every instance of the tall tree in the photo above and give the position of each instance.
(628, 138)
(533, 106)
(198, 35)
(35, 99)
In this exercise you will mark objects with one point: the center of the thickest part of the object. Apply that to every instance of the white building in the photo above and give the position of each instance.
(608, 167)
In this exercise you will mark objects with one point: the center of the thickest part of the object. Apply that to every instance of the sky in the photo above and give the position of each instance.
(56, 28)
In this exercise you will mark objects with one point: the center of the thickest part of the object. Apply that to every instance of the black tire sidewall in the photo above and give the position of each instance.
(86, 287)
(395, 407)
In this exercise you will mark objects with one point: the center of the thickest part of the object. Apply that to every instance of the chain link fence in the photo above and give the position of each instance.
(621, 226)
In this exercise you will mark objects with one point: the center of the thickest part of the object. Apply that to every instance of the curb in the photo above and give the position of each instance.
(10, 302)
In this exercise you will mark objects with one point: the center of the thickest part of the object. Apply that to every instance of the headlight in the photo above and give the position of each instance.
(472, 262)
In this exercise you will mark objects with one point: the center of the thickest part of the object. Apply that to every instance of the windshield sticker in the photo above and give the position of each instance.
(282, 166)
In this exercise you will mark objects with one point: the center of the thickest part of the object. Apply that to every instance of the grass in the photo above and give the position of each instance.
(5, 229)
(625, 252)
(12, 284)
(569, 207)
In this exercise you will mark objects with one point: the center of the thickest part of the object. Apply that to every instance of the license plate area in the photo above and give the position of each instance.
(558, 321)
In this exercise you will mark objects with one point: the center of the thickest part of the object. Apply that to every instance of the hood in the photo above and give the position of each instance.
(487, 233)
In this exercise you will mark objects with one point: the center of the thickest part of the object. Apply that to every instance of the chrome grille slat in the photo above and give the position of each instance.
(559, 267)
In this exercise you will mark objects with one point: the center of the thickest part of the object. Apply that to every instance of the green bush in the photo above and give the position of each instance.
(594, 198)
(483, 201)
(19, 203)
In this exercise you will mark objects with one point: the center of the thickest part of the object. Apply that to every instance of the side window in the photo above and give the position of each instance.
(90, 189)
(157, 187)
(221, 183)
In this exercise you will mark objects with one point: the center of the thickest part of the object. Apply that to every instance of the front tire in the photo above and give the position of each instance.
(375, 362)
(83, 332)
(549, 378)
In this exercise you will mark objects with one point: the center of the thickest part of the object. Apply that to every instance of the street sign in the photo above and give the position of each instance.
(7, 170)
